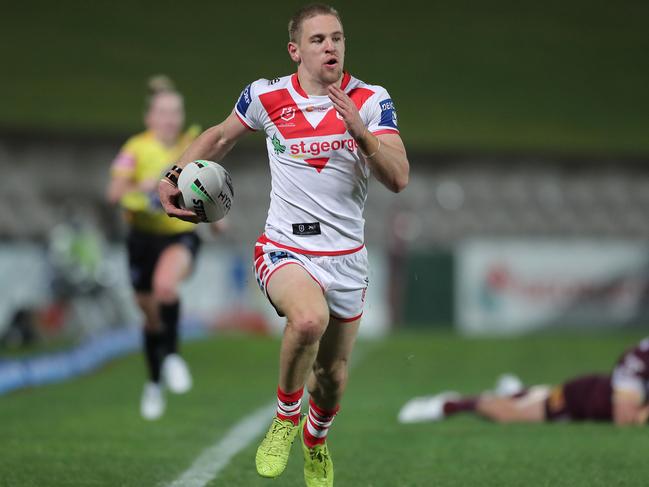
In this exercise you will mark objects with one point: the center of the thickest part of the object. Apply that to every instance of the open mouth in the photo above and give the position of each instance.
(332, 62)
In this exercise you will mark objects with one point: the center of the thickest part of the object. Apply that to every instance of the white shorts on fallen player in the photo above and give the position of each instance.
(342, 278)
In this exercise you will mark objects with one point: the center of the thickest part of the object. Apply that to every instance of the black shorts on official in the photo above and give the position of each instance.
(144, 250)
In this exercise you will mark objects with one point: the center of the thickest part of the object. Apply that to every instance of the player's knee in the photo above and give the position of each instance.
(308, 326)
(164, 292)
(151, 325)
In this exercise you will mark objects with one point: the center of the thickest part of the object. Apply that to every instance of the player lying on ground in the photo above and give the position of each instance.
(620, 397)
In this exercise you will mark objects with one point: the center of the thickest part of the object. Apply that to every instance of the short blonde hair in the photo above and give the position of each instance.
(295, 24)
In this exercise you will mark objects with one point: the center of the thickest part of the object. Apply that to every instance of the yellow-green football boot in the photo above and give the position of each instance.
(272, 454)
(318, 467)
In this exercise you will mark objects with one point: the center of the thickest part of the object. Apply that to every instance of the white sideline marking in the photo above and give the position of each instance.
(215, 458)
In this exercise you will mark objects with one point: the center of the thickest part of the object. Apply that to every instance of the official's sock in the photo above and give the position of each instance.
(463, 404)
(289, 405)
(317, 424)
(152, 351)
(169, 315)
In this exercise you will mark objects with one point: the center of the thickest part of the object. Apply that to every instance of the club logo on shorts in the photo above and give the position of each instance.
(278, 255)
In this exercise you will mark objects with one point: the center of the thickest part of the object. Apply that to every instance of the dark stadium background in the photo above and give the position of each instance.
(519, 246)
(541, 76)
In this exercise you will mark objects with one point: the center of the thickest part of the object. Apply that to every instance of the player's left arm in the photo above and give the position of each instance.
(385, 153)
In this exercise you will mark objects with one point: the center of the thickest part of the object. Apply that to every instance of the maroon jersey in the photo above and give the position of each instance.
(590, 397)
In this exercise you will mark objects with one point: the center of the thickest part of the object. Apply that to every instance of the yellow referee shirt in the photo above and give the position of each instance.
(144, 158)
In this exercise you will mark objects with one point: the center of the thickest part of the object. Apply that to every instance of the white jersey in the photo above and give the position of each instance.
(319, 181)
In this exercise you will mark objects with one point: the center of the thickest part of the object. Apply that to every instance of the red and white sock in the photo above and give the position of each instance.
(317, 424)
(289, 405)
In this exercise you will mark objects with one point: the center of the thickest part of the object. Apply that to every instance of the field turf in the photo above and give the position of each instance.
(87, 432)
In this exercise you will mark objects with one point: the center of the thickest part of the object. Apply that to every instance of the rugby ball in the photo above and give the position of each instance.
(206, 188)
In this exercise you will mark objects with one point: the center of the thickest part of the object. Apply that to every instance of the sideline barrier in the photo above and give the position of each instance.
(96, 351)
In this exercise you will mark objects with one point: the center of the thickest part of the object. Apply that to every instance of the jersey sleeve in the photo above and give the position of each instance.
(249, 109)
(382, 113)
(632, 372)
(124, 163)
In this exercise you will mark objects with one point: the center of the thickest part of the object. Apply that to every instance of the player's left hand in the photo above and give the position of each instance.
(345, 106)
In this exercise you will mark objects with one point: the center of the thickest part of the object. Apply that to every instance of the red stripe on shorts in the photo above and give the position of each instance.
(347, 320)
(263, 239)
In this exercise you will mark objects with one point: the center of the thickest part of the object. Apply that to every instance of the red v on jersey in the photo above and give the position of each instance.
(318, 162)
(294, 125)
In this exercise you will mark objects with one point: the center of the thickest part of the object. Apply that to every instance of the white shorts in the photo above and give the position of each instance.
(342, 278)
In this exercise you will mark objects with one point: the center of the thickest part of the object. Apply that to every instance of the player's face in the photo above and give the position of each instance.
(166, 116)
(321, 48)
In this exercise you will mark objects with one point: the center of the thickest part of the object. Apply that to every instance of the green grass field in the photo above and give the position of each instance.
(465, 74)
(87, 432)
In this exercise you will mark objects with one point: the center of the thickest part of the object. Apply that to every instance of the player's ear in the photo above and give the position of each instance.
(293, 51)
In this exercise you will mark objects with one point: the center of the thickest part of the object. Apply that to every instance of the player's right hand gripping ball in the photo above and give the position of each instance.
(206, 188)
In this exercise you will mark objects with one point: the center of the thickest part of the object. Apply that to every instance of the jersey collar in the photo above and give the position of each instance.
(296, 84)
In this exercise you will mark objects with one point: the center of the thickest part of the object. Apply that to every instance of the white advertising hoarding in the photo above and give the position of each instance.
(221, 288)
(514, 286)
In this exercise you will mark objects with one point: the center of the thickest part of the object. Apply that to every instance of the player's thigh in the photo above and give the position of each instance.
(143, 253)
(531, 406)
(529, 411)
(348, 284)
(174, 265)
(525, 409)
(295, 293)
